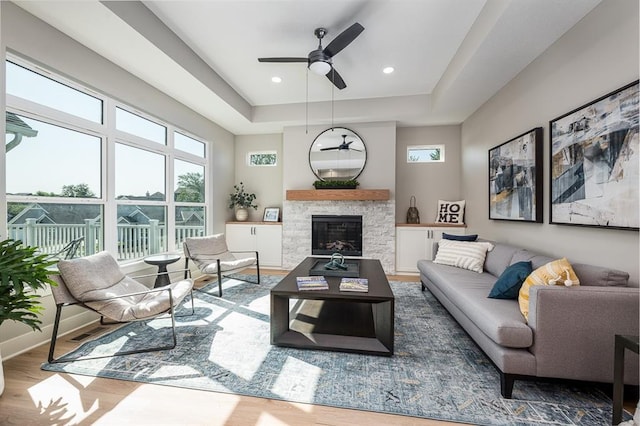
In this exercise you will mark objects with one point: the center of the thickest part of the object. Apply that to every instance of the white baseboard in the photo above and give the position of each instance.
(28, 341)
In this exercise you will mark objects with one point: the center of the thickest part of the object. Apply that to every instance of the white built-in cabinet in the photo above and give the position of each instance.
(415, 242)
(265, 237)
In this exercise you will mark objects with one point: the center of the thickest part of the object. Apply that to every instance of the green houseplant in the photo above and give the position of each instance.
(241, 201)
(336, 184)
(21, 271)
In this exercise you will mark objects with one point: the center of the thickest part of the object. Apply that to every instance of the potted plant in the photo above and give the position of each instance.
(336, 184)
(21, 272)
(241, 200)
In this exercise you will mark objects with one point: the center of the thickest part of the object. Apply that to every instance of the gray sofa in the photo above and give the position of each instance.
(570, 332)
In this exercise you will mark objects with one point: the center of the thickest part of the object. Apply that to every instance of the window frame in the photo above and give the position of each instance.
(109, 137)
(267, 152)
(439, 147)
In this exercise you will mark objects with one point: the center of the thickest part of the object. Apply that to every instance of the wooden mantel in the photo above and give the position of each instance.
(338, 194)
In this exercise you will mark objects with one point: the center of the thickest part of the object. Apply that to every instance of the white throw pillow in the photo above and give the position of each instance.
(450, 212)
(463, 254)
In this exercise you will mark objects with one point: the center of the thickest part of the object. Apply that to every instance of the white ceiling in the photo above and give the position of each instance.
(450, 56)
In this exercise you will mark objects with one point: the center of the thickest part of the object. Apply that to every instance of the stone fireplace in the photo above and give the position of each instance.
(336, 234)
(378, 228)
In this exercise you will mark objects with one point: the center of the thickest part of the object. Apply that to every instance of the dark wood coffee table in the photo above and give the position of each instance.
(331, 319)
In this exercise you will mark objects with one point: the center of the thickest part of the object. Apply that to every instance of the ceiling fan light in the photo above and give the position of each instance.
(320, 67)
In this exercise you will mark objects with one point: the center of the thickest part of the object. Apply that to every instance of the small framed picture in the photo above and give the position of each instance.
(271, 214)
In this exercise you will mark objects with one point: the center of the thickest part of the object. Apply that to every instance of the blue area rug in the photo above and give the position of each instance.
(437, 371)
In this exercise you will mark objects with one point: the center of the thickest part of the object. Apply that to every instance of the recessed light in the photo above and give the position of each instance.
(276, 79)
(388, 70)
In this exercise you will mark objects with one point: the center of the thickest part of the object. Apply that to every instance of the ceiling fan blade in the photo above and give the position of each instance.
(335, 78)
(343, 39)
(283, 60)
(329, 149)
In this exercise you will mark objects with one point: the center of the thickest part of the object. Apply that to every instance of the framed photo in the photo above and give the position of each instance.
(515, 178)
(595, 161)
(271, 214)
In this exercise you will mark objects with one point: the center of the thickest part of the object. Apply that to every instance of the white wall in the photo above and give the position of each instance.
(38, 42)
(429, 182)
(597, 56)
(379, 171)
(264, 181)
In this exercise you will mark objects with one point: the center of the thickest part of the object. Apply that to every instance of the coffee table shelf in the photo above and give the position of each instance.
(335, 320)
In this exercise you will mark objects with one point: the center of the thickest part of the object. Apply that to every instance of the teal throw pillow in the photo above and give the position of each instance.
(454, 237)
(509, 283)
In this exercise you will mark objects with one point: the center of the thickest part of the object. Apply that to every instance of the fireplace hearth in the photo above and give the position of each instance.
(336, 234)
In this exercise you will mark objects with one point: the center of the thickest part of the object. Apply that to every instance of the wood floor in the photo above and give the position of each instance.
(36, 397)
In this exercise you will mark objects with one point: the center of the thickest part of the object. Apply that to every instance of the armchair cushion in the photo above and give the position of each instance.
(228, 265)
(209, 245)
(205, 251)
(98, 283)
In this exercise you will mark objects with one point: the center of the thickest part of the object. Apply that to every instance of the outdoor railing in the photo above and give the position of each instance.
(134, 241)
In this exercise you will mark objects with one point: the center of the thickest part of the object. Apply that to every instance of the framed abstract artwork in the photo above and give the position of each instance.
(595, 160)
(515, 178)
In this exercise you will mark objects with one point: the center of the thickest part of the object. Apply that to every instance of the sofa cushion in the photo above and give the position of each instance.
(557, 272)
(537, 260)
(508, 284)
(600, 276)
(500, 320)
(463, 254)
(499, 258)
(453, 237)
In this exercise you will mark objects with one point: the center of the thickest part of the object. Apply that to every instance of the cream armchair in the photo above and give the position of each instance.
(212, 257)
(96, 283)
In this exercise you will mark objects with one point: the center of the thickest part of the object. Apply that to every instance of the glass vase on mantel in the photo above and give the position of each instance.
(242, 214)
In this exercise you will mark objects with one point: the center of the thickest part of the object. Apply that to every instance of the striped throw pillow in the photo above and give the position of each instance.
(463, 254)
(558, 272)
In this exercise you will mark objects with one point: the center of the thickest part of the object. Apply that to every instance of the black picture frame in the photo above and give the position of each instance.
(593, 164)
(515, 178)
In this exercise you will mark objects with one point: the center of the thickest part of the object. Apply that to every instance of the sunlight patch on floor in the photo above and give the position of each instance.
(59, 400)
(267, 419)
(134, 408)
(297, 379)
(224, 347)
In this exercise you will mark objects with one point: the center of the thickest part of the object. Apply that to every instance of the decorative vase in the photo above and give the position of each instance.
(242, 214)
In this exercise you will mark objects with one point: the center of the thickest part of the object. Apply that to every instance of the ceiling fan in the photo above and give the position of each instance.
(344, 145)
(320, 60)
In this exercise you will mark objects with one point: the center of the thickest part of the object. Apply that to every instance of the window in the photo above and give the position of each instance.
(139, 126)
(28, 85)
(62, 159)
(139, 174)
(51, 226)
(38, 160)
(52, 199)
(262, 158)
(425, 154)
(187, 144)
(189, 190)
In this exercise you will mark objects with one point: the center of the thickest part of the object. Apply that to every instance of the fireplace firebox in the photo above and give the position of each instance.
(336, 234)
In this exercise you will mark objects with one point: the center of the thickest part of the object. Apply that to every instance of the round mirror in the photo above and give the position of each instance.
(337, 154)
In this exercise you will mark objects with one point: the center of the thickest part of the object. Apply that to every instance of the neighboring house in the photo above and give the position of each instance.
(56, 214)
(18, 129)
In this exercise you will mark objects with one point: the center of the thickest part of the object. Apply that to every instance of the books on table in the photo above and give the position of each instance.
(312, 283)
(354, 284)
